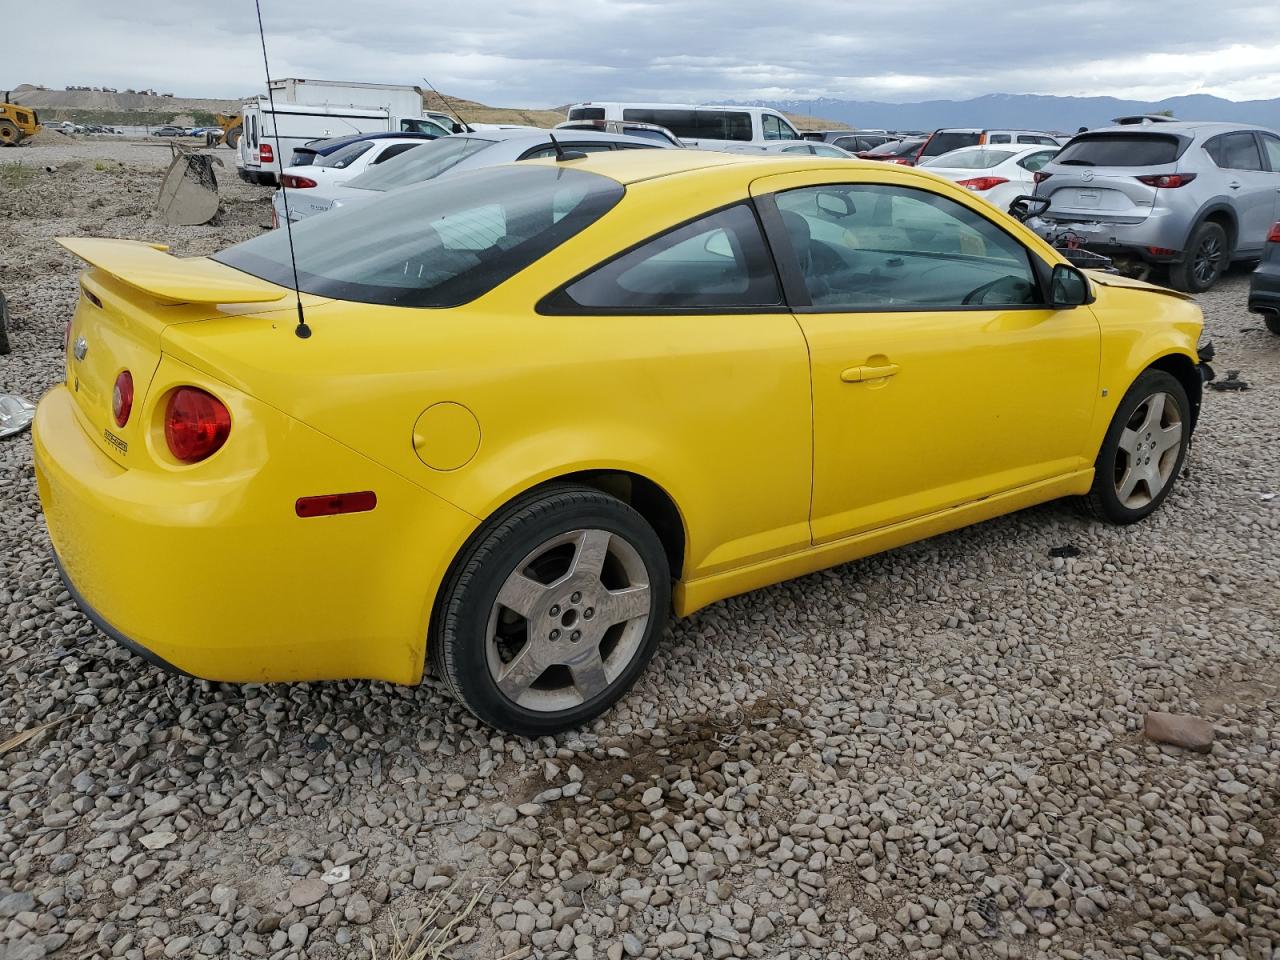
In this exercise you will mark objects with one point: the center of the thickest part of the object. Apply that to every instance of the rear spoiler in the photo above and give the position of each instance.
(149, 268)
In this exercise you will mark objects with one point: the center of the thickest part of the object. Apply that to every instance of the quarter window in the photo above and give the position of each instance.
(775, 128)
(869, 247)
(718, 261)
(1235, 151)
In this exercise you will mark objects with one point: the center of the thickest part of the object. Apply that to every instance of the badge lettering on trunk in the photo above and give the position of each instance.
(80, 348)
(115, 441)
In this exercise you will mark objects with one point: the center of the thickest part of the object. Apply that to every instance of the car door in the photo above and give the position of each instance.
(939, 375)
(1250, 186)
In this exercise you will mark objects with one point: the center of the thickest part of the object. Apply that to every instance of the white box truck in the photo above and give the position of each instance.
(308, 110)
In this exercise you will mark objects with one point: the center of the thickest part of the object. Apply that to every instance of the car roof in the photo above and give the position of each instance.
(1190, 127)
(531, 137)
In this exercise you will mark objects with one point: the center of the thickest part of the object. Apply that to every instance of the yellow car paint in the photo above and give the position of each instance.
(776, 461)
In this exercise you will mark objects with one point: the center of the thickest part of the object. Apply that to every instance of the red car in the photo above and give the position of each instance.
(905, 152)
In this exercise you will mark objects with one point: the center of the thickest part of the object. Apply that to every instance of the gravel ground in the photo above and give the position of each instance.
(937, 752)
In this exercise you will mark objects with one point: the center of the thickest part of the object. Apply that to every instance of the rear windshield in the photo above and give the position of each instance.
(341, 158)
(972, 159)
(586, 113)
(896, 148)
(696, 124)
(945, 142)
(1120, 150)
(437, 244)
(428, 161)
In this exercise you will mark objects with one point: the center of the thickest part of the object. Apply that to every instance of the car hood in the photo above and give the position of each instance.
(1129, 283)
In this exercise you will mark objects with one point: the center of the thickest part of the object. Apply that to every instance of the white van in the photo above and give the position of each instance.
(708, 126)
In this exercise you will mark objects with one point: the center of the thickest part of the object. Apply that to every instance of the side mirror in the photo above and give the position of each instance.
(1068, 287)
(835, 205)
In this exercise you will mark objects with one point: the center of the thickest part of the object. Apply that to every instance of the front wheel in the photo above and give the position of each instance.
(9, 134)
(553, 611)
(1206, 258)
(1272, 320)
(1143, 450)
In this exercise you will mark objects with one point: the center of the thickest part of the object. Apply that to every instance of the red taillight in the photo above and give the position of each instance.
(1162, 251)
(294, 182)
(905, 161)
(1274, 235)
(122, 398)
(981, 183)
(1040, 176)
(265, 153)
(196, 424)
(334, 503)
(1167, 181)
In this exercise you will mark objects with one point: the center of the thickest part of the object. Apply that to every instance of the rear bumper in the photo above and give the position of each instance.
(1264, 288)
(1158, 232)
(210, 572)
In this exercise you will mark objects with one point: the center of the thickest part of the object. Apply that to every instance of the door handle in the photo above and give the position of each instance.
(1234, 184)
(862, 373)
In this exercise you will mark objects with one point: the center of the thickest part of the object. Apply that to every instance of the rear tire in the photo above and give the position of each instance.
(1143, 450)
(1207, 256)
(10, 135)
(1272, 320)
(233, 137)
(552, 611)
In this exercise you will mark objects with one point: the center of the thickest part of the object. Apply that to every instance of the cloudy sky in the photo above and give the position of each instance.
(547, 52)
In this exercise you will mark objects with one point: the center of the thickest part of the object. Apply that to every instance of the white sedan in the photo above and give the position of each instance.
(995, 173)
(339, 167)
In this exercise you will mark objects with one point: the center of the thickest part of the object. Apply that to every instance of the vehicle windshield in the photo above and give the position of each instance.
(945, 142)
(341, 158)
(436, 244)
(970, 159)
(427, 162)
(1121, 150)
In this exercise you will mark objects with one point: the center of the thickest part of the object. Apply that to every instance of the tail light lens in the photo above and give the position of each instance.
(1167, 181)
(1040, 176)
(294, 182)
(265, 153)
(122, 398)
(981, 183)
(1274, 235)
(905, 161)
(196, 424)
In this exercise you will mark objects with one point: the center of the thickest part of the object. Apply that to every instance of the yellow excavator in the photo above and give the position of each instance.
(16, 123)
(231, 124)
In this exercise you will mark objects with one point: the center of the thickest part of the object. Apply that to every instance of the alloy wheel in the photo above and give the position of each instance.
(1208, 257)
(1148, 450)
(568, 620)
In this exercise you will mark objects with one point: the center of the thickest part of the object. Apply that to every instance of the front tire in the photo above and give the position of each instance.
(10, 135)
(1143, 451)
(1206, 258)
(552, 611)
(1272, 320)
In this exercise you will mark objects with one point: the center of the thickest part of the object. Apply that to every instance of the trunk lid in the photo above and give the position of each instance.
(133, 292)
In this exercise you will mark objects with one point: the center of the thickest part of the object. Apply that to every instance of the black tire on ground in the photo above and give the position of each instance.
(1272, 320)
(9, 134)
(460, 642)
(1207, 257)
(233, 137)
(1103, 501)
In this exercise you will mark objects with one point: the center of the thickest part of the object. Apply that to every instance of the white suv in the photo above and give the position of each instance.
(953, 138)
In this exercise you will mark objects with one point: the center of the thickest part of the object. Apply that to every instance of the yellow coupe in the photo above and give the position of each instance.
(517, 417)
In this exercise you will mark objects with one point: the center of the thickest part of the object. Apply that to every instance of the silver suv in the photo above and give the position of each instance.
(1192, 196)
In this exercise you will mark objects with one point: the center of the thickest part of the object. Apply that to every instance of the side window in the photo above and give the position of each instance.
(1271, 146)
(998, 138)
(1235, 151)
(714, 262)
(393, 151)
(1035, 161)
(870, 247)
(724, 125)
(852, 144)
(775, 128)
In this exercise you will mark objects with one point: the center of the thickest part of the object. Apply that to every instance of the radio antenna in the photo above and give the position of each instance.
(466, 127)
(302, 330)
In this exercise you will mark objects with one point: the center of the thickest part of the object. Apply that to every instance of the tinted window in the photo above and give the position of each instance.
(715, 262)
(436, 244)
(999, 138)
(1121, 150)
(1271, 144)
(646, 134)
(424, 126)
(896, 148)
(868, 247)
(340, 159)
(775, 128)
(852, 144)
(1235, 151)
(428, 161)
(394, 151)
(586, 113)
(1027, 138)
(946, 142)
(803, 148)
(696, 124)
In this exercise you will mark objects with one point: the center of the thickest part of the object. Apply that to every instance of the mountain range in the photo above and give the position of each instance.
(1063, 114)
